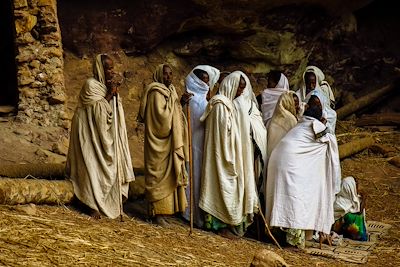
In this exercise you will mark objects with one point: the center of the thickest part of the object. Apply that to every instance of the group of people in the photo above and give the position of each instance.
(279, 147)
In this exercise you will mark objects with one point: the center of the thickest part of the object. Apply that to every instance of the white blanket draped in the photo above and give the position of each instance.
(92, 162)
(197, 105)
(270, 97)
(347, 200)
(225, 193)
(303, 178)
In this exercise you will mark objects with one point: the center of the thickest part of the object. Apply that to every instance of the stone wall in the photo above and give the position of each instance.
(39, 57)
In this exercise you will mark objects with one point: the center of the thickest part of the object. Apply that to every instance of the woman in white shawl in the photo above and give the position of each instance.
(199, 86)
(223, 185)
(277, 85)
(98, 174)
(282, 121)
(303, 178)
(314, 80)
(252, 132)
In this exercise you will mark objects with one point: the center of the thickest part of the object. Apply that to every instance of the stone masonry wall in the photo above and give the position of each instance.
(39, 57)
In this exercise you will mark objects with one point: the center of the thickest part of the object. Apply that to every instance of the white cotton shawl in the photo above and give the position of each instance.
(324, 92)
(197, 105)
(223, 185)
(251, 126)
(92, 162)
(347, 200)
(283, 120)
(213, 74)
(270, 97)
(303, 178)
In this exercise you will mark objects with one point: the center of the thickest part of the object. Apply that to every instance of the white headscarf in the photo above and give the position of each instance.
(197, 104)
(347, 200)
(270, 97)
(283, 83)
(213, 74)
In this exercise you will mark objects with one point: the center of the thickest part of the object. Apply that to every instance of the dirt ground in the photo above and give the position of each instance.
(61, 235)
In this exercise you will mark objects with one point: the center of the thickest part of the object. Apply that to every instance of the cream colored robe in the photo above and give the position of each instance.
(225, 192)
(92, 159)
(165, 147)
(282, 121)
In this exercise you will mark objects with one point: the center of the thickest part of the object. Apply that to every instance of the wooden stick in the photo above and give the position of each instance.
(355, 146)
(268, 230)
(115, 105)
(190, 168)
(387, 119)
(366, 100)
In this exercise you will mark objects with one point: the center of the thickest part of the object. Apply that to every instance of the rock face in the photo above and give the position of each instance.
(39, 62)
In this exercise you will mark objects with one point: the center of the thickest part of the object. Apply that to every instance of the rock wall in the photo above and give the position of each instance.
(39, 57)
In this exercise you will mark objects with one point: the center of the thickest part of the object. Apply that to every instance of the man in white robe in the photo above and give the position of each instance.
(270, 95)
(199, 88)
(99, 162)
(304, 177)
(226, 195)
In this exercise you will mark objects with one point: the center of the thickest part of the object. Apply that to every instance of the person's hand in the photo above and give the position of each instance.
(185, 98)
(323, 120)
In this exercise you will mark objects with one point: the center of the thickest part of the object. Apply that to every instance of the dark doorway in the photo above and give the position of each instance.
(8, 77)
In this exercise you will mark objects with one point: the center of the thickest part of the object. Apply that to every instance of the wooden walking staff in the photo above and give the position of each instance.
(115, 107)
(190, 167)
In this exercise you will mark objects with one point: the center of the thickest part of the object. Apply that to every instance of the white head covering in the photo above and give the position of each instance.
(213, 74)
(347, 200)
(283, 83)
(270, 98)
(94, 88)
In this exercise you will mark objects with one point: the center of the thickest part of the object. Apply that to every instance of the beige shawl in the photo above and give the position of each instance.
(283, 119)
(92, 162)
(223, 185)
(166, 143)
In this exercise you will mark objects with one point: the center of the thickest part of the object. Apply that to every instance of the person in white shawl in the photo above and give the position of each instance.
(314, 80)
(283, 120)
(228, 198)
(98, 174)
(165, 146)
(198, 83)
(277, 85)
(349, 208)
(303, 178)
(252, 131)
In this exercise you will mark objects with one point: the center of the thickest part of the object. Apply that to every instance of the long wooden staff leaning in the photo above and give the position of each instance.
(190, 166)
(115, 110)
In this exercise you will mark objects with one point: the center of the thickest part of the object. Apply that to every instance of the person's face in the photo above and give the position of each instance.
(311, 81)
(167, 75)
(242, 85)
(271, 83)
(314, 101)
(109, 73)
(205, 78)
(296, 103)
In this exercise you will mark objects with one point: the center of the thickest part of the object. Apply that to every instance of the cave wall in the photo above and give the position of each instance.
(39, 59)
